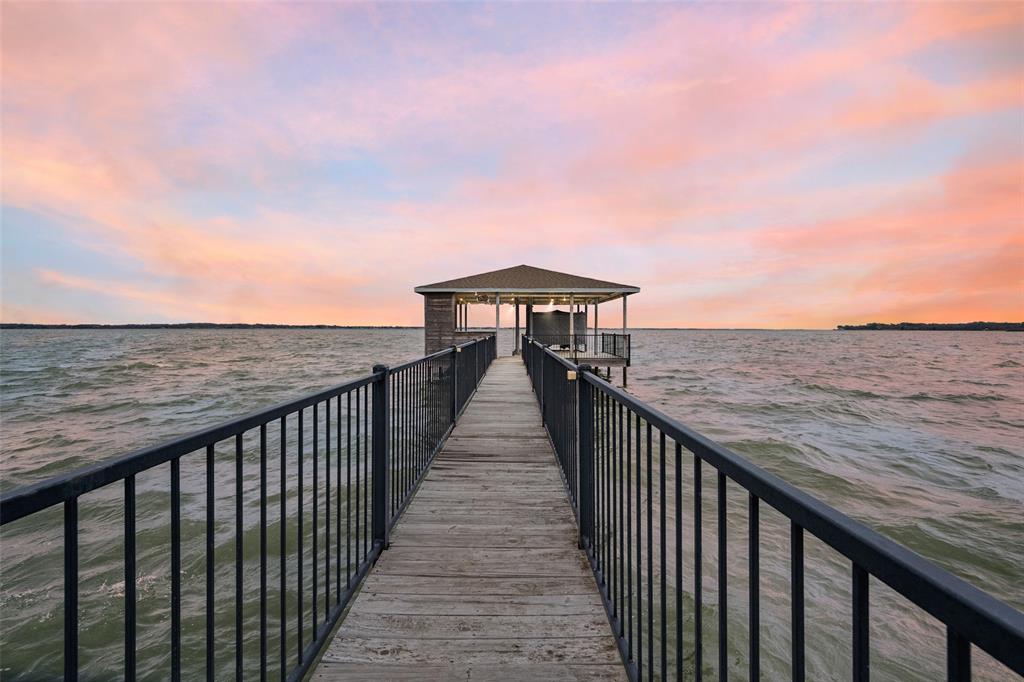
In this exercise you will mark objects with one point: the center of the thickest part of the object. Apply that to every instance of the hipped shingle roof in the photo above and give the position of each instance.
(527, 278)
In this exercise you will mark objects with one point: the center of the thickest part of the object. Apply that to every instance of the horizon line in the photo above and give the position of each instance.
(274, 325)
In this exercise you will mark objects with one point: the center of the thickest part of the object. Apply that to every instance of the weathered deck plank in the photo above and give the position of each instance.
(483, 580)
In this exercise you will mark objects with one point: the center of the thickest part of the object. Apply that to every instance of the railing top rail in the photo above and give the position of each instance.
(21, 502)
(31, 498)
(419, 361)
(566, 335)
(568, 364)
(472, 341)
(979, 616)
(439, 354)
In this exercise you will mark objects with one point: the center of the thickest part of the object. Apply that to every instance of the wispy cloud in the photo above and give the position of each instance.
(778, 165)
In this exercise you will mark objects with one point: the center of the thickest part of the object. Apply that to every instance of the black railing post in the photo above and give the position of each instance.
(380, 455)
(585, 402)
(455, 384)
(71, 589)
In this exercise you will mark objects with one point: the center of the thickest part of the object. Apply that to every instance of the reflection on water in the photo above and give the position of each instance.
(917, 434)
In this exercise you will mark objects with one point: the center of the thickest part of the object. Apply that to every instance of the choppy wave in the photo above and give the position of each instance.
(875, 425)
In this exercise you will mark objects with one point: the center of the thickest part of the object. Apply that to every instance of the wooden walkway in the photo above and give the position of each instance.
(483, 579)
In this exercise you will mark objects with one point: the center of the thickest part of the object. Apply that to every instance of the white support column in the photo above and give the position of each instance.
(572, 320)
(624, 379)
(497, 313)
(515, 343)
(595, 320)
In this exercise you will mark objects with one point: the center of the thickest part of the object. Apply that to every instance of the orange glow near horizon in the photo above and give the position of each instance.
(745, 165)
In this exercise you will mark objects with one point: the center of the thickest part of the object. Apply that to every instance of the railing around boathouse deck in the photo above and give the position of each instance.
(599, 431)
(396, 420)
(595, 348)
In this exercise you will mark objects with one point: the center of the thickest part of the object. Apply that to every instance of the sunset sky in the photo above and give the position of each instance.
(747, 165)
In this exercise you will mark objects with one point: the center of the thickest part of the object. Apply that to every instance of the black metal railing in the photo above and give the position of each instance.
(582, 347)
(382, 430)
(472, 360)
(625, 477)
(556, 395)
(616, 344)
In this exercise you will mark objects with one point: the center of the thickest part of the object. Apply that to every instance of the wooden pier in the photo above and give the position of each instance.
(483, 579)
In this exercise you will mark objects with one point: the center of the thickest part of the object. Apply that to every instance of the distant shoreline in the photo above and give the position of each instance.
(872, 326)
(936, 326)
(198, 325)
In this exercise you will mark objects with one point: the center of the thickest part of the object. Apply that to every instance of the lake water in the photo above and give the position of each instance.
(920, 435)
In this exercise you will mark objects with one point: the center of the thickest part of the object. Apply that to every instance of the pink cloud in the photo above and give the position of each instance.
(684, 162)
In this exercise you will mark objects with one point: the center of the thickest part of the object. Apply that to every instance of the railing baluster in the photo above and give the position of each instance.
(610, 506)
(411, 430)
(606, 503)
(393, 434)
(366, 476)
(723, 589)
(299, 596)
(408, 421)
(348, 490)
(622, 567)
(797, 589)
(337, 503)
(380, 457)
(664, 565)
(359, 487)
(315, 602)
(239, 530)
(405, 439)
(283, 621)
(327, 509)
(594, 482)
(629, 532)
(263, 552)
(414, 432)
(419, 433)
(175, 569)
(958, 656)
(650, 553)
(599, 486)
(754, 557)
(639, 558)
(398, 449)
(586, 435)
(129, 578)
(698, 616)
(71, 589)
(210, 546)
(679, 560)
(861, 637)
(424, 432)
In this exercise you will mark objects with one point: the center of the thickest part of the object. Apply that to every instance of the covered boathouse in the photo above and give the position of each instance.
(553, 307)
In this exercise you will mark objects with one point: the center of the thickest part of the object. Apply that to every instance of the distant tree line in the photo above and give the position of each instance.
(194, 325)
(941, 326)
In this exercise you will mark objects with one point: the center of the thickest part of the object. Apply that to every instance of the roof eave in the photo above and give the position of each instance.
(534, 292)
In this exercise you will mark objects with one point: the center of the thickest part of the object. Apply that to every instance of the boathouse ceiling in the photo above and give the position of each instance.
(524, 284)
